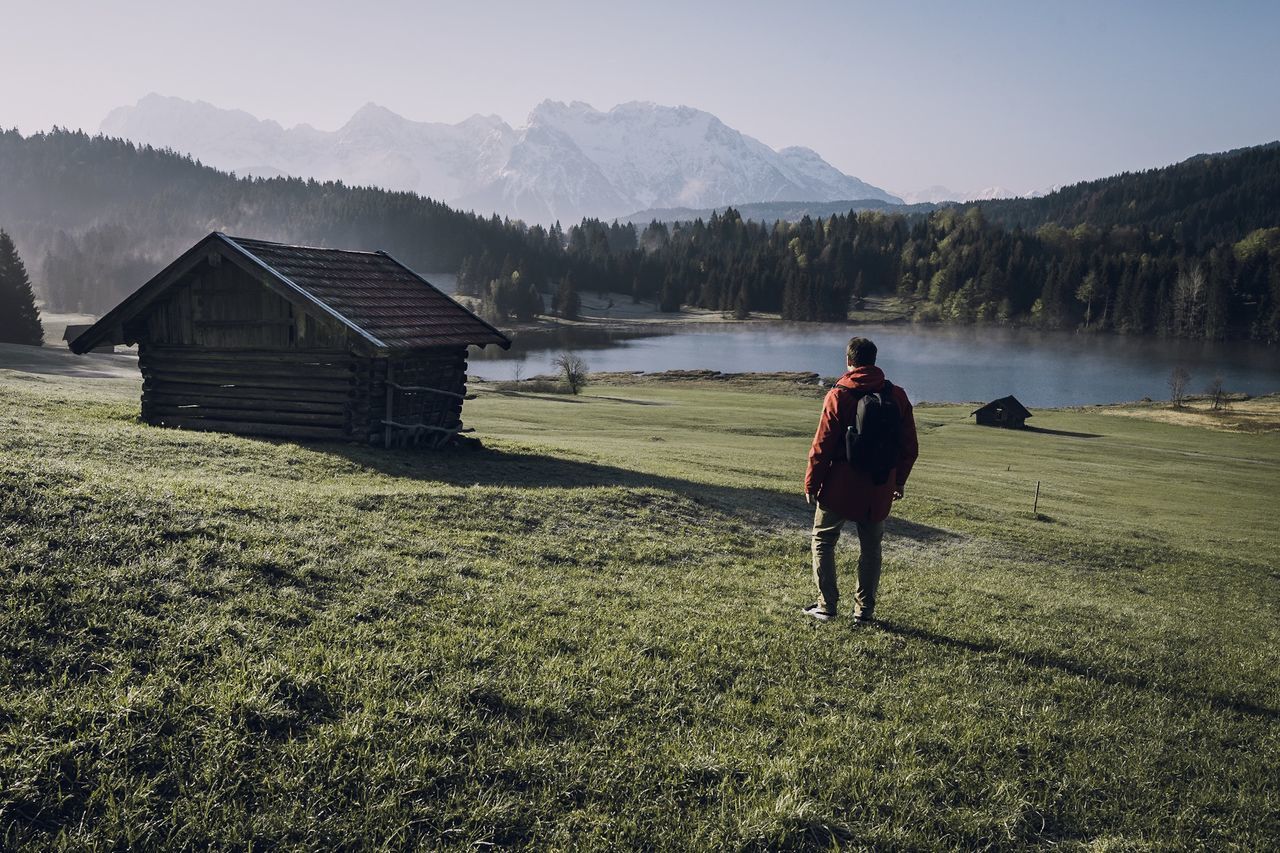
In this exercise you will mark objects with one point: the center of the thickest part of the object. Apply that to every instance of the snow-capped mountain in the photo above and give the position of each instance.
(937, 194)
(568, 161)
(988, 193)
(375, 146)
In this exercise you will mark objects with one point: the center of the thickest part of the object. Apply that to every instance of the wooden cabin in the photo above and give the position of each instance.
(258, 338)
(1005, 412)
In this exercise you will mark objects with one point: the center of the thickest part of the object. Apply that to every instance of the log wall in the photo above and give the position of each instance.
(444, 369)
(318, 394)
(254, 392)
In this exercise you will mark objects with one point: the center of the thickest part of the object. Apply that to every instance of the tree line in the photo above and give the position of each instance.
(952, 266)
(1191, 250)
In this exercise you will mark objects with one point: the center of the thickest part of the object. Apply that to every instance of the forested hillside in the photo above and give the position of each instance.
(1212, 198)
(953, 266)
(97, 217)
(1191, 250)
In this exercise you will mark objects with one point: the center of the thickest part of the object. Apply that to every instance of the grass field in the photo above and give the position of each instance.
(587, 635)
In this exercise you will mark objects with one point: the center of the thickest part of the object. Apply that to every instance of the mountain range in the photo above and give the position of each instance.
(568, 160)
(774, 211)
(941, 195)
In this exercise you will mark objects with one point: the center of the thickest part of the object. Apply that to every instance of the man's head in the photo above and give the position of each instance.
(861, 352)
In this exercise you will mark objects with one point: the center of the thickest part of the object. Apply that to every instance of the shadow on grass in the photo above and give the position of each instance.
(1067, 433)
(566, 397)
(500, 468)
(629, 401)
(1082, 670)
(546, 396)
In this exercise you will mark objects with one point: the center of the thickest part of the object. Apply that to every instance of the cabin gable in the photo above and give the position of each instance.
(221, 306)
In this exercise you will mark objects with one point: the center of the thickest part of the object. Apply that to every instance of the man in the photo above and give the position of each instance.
(843, 492)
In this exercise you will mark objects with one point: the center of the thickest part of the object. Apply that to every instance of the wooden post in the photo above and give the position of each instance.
(386, 424)
(1036, 506)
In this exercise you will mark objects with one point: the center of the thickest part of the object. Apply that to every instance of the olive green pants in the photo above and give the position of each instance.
(826, 533)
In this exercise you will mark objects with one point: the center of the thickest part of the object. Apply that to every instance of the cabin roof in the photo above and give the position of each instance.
(384, 302)
(1009, 404)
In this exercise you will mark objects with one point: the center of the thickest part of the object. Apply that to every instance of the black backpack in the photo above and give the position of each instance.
(873, 442)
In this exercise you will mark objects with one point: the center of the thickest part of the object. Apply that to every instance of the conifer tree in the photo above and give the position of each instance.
(567, 303)
(670, 299)
(467, 278)
(19, 319)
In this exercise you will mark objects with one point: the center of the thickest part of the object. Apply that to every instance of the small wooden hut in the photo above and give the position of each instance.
(259, 338)
(1005, 412)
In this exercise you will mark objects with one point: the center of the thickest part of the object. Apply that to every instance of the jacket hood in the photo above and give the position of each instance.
(863, 379)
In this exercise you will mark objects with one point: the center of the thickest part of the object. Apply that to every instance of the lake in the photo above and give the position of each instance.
(937, 363)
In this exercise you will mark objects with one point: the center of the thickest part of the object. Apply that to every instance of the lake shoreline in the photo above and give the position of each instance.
(616, 313)
(944, 362)
(1254, 413)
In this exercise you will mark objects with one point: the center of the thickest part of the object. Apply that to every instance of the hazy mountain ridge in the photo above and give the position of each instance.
(938, 194)
(774, 211)
(567, 162)
(375, 147)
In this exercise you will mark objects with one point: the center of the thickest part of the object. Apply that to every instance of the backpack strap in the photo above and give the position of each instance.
(858, 393)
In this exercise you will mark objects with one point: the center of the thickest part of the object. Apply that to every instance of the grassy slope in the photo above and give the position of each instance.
(589, 634)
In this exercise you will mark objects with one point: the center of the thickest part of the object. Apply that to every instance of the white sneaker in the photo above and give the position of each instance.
(819, 612)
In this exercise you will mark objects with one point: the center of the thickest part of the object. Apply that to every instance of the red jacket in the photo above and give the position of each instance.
(842, 488)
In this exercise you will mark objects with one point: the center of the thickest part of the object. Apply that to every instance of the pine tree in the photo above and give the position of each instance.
(1087, 292)
(742, 305)
(467, 278)
(19, 319)
(670, 298)
(567, 302)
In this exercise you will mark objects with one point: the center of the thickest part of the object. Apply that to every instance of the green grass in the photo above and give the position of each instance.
(588, 634)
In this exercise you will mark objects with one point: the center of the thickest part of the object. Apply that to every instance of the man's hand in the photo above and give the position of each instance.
(809, 499)
(897, 493)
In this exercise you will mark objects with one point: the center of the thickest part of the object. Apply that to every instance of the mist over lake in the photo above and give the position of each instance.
(943, 364)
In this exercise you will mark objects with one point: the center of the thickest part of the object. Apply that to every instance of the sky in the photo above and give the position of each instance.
(1024, 95)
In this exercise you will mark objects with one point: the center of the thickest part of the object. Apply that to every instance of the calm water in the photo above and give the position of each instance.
(931, 363)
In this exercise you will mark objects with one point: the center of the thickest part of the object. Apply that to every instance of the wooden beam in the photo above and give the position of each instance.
(252, 392)
(426, 427)
(249, 372)
(424, 388)
(258, 416)
(164, 400)
(390, 407)
(194, 353)
(233, 323)
(241, 428)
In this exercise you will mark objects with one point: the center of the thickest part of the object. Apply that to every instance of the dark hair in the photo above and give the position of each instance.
(861, 352)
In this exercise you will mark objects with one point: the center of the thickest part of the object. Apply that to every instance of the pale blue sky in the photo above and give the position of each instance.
(901, 94)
